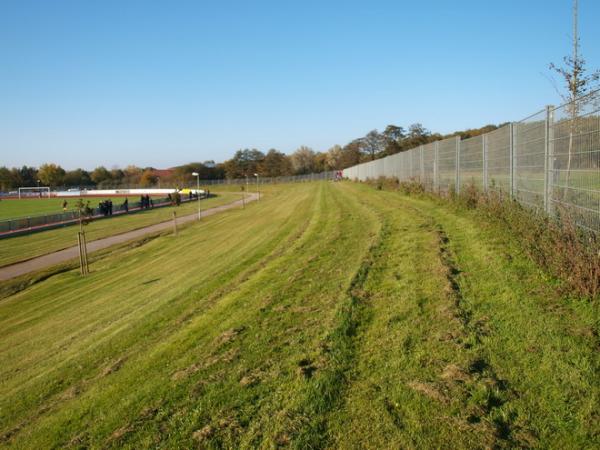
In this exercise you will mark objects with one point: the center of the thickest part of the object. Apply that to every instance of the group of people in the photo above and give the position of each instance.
(106, 207)
(175, 198)
(146, 202)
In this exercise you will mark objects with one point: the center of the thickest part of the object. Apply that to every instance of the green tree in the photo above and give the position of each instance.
(77, 177)
(334, 157)
(25, 176)
(320, 162)
(131, 175)
(51, 174)
(393, 136)
(101, 176)
(350, 155)
(6, 179)
(117, 176)
(244, 163)
(148, 178)
(417, 135)
(372, 144)
(275, 164)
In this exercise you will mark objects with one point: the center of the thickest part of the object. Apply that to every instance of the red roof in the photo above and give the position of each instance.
(163, 172)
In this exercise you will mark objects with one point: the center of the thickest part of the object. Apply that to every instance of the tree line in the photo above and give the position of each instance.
(245, 162)
(53, 175)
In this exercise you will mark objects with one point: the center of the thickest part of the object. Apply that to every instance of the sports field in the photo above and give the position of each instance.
(13, 208)
(327, 315)
(20, 248)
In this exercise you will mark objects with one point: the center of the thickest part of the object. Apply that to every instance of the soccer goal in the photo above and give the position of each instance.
(35, 191)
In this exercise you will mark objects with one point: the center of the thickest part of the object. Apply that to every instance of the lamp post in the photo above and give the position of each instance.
(197, 175)
(257, 190)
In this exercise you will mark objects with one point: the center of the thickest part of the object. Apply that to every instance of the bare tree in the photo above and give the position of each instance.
(578, 83)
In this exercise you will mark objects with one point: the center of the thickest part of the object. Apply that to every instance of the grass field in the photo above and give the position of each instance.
(19, 248)
(325, 315)
(14, 208)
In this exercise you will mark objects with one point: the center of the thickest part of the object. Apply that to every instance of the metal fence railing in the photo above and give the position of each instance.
(549, 161)
(10, 226)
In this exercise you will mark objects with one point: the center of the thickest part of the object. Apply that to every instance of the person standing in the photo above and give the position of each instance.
(126, 205)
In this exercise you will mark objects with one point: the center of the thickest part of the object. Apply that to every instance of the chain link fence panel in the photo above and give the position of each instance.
(549, 161)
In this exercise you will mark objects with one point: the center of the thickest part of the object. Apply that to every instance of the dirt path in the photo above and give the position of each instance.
(44, 261)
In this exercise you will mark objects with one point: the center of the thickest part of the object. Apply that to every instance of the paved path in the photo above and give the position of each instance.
(51, 259)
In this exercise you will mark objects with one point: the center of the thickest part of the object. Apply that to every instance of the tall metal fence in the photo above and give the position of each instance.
(549, 161)
(322, 176)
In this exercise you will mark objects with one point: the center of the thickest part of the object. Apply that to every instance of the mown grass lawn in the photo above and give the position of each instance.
(20, 248)
(325, 315)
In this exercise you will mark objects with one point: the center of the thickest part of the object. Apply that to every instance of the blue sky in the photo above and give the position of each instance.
(84, 83)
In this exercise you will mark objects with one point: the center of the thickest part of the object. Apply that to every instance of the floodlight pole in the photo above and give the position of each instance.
(197, 175)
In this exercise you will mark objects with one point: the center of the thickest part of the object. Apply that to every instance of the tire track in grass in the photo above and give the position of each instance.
(478, 386)
(326, 393)
(405, 391)
(530, 357)
(307, 302)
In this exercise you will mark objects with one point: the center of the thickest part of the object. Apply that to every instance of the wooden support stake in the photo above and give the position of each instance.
(85, 254)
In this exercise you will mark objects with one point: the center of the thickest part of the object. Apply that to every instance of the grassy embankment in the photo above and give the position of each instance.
(325, 315)
(20, 248)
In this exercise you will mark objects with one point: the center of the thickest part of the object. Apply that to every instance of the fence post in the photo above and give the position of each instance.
(457, 187)
(422, 165)
(548, 159)
(485, 162)
(436, 181)
(511, 162)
